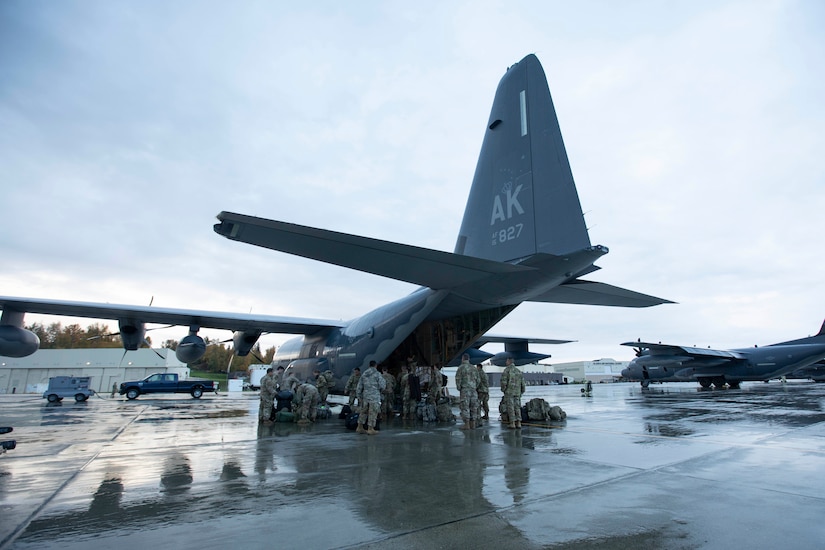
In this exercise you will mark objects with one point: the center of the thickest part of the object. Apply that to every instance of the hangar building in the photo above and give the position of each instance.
(598, 370)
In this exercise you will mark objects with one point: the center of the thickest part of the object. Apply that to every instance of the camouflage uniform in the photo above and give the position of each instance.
(512, 386)
(483, 392)
(352, 384)
(278, 378)
(388, 396)
(407, 404)
(322, 384)
(434, 390)
(466, 380)
(291, 383)
(305, 403)
(369, 389)
(267, 397)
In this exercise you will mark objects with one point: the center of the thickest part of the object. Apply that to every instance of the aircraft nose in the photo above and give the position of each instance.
(625, 373)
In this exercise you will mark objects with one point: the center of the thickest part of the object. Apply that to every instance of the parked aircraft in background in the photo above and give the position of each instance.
(666, 363)
(522, 238)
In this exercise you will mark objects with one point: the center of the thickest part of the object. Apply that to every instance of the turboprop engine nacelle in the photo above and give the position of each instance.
(132, 333)
(243, 341)
(190, 349)
(17, 342)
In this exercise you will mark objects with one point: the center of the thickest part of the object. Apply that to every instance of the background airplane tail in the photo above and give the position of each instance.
(523, 200)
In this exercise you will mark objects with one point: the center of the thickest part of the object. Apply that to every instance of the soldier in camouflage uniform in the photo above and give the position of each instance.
(322, 384)
(352, 384)
(305, 403)
(434, 389)
(278, 377)
(512, 386)
(407, 405)
(388, 395)
(369, 389)
(483, 393)
(291, 383)
(266, 412)
(466, 380)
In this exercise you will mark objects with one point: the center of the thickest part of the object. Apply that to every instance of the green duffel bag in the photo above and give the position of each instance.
(284, 416)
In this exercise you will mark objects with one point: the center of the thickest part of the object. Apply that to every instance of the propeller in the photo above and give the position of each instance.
(639, 349)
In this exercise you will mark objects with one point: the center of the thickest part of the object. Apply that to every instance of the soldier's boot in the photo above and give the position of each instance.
(511, 426)
(371, 431)
(472, 424)
(465, 425)
(518, 424)
(360, 429)
(479, 423)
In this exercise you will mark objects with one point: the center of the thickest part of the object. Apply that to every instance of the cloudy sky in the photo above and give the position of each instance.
(695, 130)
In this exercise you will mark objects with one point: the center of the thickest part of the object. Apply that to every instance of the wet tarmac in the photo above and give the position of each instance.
(668, 467)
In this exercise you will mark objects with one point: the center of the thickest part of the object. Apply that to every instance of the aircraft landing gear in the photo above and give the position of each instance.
(645, 383)
(719, 382)
(705, 382)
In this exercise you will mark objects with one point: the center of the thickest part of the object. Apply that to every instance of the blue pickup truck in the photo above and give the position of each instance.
(166, 383)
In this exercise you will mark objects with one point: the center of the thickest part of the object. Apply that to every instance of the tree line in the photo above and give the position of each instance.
(216, 358)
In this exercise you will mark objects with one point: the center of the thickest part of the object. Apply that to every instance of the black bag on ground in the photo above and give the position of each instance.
(346, 410)
(283, 400)
(351, 421)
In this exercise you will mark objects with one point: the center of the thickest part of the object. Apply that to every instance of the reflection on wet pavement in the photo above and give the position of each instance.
(629, 466)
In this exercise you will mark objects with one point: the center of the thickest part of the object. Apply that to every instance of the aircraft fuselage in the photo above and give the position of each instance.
(415, 325)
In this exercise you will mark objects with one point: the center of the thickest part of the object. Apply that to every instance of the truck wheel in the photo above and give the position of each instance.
(52, 398)
(197, 392)
(80, 398)
(132, 393)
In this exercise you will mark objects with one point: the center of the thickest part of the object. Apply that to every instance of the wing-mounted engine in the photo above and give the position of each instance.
(132, 333)
(191, 347)
(15, 341)
(243, 341)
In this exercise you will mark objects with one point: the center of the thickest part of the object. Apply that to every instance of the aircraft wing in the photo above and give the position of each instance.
(183, 317)
(423, 266)
(697, 353)
(593, 293)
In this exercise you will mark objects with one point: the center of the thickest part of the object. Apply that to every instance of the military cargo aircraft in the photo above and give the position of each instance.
(667, 363)
(522, 238)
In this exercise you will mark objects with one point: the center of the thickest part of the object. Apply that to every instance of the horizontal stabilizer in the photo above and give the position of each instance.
(597, 294)
(516, 348)
(423, 266)
(515, 340)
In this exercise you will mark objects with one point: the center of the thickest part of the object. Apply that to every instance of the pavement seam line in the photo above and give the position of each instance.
(26, 522)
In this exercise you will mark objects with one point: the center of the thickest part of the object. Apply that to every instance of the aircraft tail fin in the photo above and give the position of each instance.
(523, 200)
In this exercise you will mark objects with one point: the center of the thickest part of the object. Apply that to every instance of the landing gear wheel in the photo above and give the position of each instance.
(719, 381)
(733, 385)
(644, 383)
(705, 382)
